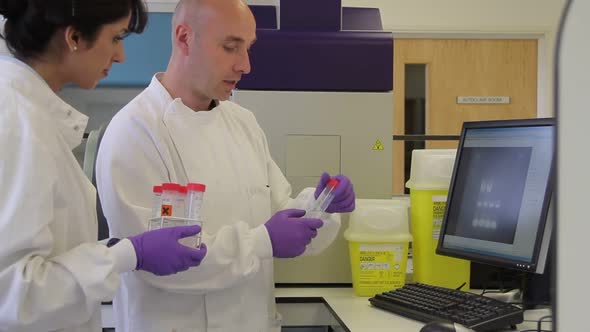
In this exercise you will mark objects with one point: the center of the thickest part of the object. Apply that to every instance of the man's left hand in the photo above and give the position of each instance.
(343, 194)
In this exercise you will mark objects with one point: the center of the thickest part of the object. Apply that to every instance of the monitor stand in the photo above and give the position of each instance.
(511, 286)
(539, 289)
(534, 293)
(511, 296)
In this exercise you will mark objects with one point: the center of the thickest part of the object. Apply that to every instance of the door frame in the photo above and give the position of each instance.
(544, 76)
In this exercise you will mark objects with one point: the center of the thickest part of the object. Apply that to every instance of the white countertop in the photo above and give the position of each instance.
(358, 315)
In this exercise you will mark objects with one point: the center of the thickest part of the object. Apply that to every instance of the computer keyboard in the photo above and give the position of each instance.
(428, 303)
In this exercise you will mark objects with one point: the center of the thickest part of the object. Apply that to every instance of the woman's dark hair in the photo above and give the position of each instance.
(31, 24)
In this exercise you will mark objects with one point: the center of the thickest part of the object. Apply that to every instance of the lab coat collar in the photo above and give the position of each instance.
(166, 98)
(70, 123)
(160, 91)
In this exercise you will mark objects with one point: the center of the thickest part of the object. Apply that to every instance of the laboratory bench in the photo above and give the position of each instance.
(338, 309)
(341, 310)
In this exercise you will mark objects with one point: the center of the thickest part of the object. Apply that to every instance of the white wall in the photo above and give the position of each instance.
(574, 163)
(466, 15)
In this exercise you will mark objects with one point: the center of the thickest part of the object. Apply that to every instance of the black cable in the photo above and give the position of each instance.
(539, 322)
(502, 290)
(532, 304)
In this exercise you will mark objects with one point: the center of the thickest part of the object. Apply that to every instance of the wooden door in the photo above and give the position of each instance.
(458, 67)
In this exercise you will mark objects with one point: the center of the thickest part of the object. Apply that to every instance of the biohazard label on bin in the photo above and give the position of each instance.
(381, 265)
(438, 213)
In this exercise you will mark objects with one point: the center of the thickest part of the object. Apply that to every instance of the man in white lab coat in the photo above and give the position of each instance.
(181, 129)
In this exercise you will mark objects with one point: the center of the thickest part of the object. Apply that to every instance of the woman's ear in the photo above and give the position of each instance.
(72, 37)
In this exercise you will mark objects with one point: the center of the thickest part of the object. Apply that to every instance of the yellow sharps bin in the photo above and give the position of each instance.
(430, 177)
(379, 237)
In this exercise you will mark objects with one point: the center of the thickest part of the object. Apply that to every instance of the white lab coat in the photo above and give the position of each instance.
(156, 139)
(51, 278)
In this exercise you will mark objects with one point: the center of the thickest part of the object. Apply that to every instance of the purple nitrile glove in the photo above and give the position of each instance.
(343, 194)
(160, 253)
(290, 234)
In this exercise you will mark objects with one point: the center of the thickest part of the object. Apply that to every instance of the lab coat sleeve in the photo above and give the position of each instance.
(41, 290)
(234, 252)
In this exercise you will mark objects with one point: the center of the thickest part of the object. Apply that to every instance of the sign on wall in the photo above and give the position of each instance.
(483, 100)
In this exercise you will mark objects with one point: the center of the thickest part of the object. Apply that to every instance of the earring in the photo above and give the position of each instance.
(75, 48)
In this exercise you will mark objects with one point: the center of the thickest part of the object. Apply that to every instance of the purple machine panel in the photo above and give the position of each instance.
(311, 15)
(266, 16)
(354, 18)
(316, 54)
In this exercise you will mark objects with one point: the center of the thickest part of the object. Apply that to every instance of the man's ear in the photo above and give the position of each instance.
(183, 35)
(72, 38)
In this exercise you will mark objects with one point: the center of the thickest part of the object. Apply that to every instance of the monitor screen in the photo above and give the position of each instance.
(500, 193)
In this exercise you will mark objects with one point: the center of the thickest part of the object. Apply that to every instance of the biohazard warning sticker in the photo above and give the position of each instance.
(438, 213)
(382, 265)
(378, 145)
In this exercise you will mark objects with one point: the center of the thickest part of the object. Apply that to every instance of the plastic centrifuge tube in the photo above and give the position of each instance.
(168, 206)
(180, 202)
(318, 207)
(156, 206)
(157, 201)
(194, 201)
(325, 197)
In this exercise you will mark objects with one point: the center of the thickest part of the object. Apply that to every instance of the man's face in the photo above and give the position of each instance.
(220, 56)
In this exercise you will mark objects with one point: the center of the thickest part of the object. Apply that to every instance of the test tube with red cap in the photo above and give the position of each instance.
(194, 201)
(194, 195)
(169, 205)
(180, 205)
(156, 201)
(325, 197)
(156, 207)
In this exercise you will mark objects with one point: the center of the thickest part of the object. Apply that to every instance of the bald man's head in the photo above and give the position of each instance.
(196, 12)
(210, 41)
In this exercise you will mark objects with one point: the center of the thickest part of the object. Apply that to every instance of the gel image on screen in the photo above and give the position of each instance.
(491, 193)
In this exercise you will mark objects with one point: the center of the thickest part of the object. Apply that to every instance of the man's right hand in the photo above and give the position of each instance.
(160, 253)
(290, 234)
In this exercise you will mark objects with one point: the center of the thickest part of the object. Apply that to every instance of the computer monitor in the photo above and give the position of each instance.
(499, 202)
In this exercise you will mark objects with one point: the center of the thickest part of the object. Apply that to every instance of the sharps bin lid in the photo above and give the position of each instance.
(379, 220)
(431, 169)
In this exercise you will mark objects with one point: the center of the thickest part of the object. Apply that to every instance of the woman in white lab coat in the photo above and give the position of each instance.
(53, 275)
